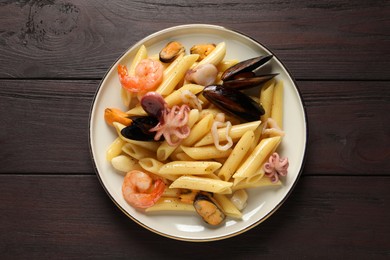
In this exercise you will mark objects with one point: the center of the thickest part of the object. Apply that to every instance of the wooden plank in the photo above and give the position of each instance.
(44, 124)
(71, 216)
(79, 39)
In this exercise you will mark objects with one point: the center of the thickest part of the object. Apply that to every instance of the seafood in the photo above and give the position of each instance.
(148, 75)
(153, 104)
(276, 167)
(140, 190)
(204, 74)
(202, 49)
(173, 125)
(171, 51)
(116, 115)
(242, 81)
(140, 128)
(208, 209)
(245, 66)
(234, 102)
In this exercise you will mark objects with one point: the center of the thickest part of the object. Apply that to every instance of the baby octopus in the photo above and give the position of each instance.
(172, 121)
(276, 167)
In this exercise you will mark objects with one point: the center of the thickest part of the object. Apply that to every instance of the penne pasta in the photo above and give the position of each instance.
(193, 167)
(225, 64)
(137, 152)
(256, 158)
(266, 97)
(170, 204)
(204, 184)
(277, 104)
(141, 54)
(216, 56)
(123, 163)
(263, 182)
(114, 149)
(169, 83)
(205, 152)
(227, 206)
(136, 111)
(199, 130)
(237, 155)
(152, 165)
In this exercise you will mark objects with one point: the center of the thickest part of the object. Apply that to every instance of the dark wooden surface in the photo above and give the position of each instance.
(53, 55)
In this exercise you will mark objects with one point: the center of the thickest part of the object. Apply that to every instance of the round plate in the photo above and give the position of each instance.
(262, 202)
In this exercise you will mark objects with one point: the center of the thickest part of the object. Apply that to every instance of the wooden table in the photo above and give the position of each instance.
(53, 55)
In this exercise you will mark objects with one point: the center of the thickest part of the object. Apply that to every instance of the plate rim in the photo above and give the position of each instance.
(305, 123)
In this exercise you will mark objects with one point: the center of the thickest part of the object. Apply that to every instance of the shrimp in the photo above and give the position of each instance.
(139, 190)
(148, 75)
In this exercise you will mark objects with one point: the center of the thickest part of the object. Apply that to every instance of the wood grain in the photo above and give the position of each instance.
(80, 39)
(45, 126)
(72, 217)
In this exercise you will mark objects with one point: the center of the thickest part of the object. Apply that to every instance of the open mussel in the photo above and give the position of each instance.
(234, 102)
(208, 209)
(245, 66)
(241, 83)
(171, 51)
(139, 129)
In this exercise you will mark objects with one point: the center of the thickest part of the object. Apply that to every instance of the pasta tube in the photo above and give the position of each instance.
(263, 182)
(141, 54)
(204, 184)
(114, 149)
(227, 206)
(205, 152)
(189, 167)
(266, 97)
(216, 56)
(256, 158)
(277, 104)
(170, 204)
(170, 82)
(237, 155)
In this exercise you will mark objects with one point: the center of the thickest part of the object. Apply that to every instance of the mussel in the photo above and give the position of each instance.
(208, 209)
(234, 102)
(139, 129)
(241, 83)
(172, 50)
(245, 66)
(202, 50)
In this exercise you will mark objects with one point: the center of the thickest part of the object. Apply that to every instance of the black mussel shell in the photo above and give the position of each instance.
(207, 208)
(245, 66)
(234, 102)
(245, 83)
(139, 129)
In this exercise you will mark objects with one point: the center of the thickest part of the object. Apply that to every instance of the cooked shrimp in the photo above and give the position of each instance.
(140, 190)
(148, 75)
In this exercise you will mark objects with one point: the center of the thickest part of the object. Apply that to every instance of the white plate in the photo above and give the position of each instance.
(262, 202)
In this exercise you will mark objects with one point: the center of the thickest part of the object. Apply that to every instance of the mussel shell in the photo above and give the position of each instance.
(208, 209)
(139, 129)
(245, 66)
(172, 50)
(234, 102)
(245, 83)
